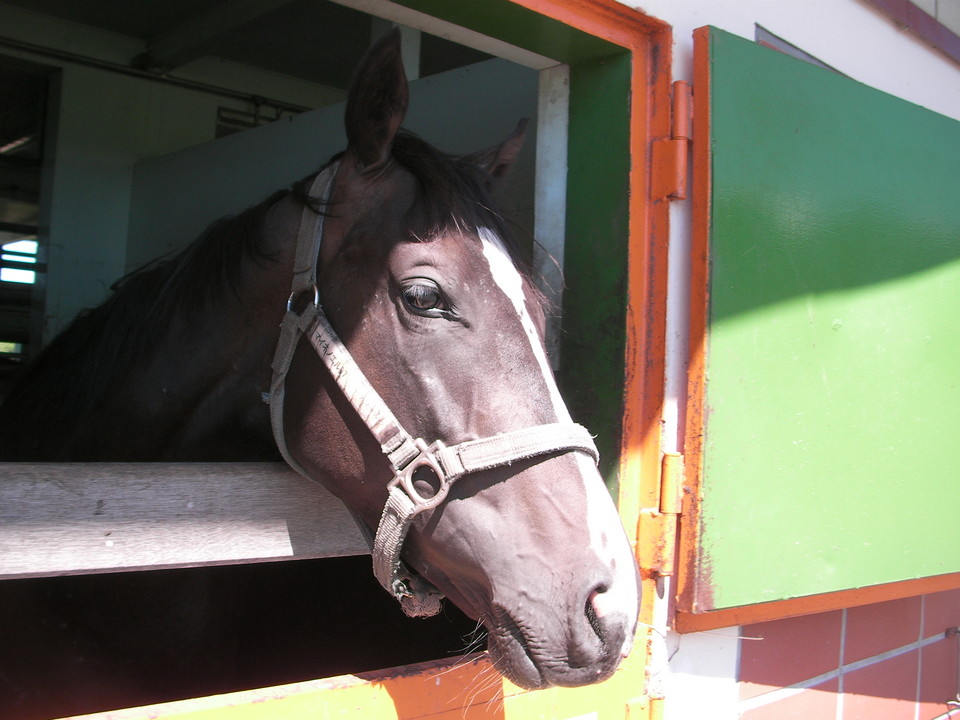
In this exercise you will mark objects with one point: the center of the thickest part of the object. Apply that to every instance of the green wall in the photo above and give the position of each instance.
(102, 123)
(833, 356)
(593, 349)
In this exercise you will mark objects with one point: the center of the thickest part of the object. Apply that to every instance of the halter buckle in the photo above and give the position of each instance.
(401, 589)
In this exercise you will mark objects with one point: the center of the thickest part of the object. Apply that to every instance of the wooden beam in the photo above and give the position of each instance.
(62, 519)
(193, 38)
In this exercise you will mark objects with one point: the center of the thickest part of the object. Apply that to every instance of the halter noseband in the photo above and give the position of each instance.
(405, 453)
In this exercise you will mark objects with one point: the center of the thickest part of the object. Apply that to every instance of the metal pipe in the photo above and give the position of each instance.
(108, 66)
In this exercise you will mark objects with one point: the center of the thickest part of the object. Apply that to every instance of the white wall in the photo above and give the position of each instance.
(177, 195)
(103, 122)
(848, 35)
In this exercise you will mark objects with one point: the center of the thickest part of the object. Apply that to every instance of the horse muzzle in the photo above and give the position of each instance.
(586, 647)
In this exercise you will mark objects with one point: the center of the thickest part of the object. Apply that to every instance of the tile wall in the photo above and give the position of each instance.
(896, 660)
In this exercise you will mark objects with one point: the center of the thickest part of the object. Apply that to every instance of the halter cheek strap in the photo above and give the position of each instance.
(295, 324)
(410, 458)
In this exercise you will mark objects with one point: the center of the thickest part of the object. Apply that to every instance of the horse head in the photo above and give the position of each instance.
(417, 280)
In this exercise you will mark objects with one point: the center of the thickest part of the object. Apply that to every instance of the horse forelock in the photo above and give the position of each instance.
(454, 196)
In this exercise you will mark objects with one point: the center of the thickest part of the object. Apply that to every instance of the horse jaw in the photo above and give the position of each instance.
(597, 630)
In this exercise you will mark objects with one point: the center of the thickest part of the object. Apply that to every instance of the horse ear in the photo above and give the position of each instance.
(377, 103)
(498, 159)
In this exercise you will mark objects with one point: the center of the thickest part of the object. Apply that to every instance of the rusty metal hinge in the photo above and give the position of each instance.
(645, 708)
(658, 526)
(670, 156)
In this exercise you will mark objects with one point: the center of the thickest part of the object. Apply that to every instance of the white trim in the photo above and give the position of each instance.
(441, 28)
(677, 330)
(550, 194)
(842, 653)
(703, 669)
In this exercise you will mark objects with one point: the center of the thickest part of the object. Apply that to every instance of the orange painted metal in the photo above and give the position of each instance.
(671, 484)
(669, 161)
(656, 546)
(606, 19)
(699, 306)
(659, 524)
(669, 169)
(682, 116)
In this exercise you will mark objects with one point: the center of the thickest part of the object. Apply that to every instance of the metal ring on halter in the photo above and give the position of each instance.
(296, 294)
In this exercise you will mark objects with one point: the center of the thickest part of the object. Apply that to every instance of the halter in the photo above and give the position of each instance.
(407, 455)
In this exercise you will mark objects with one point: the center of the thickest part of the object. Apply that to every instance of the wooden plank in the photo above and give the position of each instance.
(61, 519)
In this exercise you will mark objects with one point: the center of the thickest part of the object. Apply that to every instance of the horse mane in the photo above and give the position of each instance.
(68, 379)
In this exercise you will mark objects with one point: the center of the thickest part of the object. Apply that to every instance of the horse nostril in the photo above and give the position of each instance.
(599, 602)
(598, 606)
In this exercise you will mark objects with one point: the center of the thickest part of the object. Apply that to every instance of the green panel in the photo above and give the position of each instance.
(595, 260)
(833, 359)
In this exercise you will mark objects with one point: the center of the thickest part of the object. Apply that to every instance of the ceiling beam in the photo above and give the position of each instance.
(441, 28)
(193, 38)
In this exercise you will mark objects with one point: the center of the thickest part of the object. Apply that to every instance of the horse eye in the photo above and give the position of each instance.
(424, 299)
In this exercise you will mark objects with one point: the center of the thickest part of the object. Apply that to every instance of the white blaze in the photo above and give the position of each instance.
(507, 278)
(606, 535)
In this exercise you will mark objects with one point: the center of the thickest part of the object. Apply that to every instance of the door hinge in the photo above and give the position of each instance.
(658, 526)
(670, 156)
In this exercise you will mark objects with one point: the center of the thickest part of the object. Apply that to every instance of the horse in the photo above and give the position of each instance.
(383, 311)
